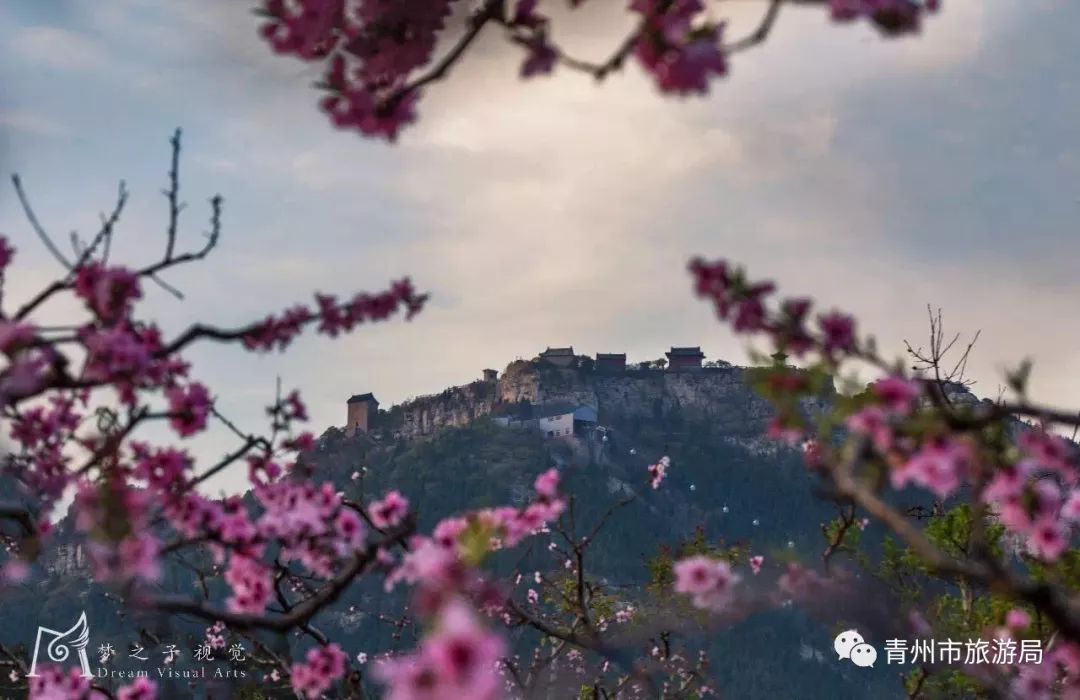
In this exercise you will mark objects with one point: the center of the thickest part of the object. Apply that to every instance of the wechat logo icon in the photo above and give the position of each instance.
(851, 645)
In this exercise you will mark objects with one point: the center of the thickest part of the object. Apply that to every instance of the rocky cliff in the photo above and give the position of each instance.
(721, 395)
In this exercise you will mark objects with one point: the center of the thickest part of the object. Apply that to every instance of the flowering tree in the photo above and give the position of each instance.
(1002, 530)
(993, 557)
(380, 55)
(75, 397)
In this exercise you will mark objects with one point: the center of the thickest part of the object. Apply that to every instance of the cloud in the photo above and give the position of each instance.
(60, 49)
(865, 172)
(32, 123)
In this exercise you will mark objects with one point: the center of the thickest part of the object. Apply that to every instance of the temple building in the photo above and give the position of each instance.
(685, 358)
(560, 357)
(610, 361)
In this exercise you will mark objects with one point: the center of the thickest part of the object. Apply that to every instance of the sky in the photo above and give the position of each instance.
(876, 176)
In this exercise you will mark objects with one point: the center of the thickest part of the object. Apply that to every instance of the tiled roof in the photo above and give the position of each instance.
(690, 352)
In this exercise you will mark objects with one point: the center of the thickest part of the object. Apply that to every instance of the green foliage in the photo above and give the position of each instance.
(659, 566)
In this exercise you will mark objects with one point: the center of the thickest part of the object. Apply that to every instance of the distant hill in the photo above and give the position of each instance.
(450, 455)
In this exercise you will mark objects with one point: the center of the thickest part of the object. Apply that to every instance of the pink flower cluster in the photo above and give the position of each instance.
(1037, 496)
(676, 47)
(324, 666)
(709, 581)
(252, 585)
(891, 17)
(374, 46)
(109, 292)
(435, 563)
(52, 683)
(743, 303)
(658, 471)
(140, 689)
(189, 408)
(335, 317)
(388, 512)
(458, 660)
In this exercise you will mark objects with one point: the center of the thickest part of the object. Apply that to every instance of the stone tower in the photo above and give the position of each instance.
(360, 410)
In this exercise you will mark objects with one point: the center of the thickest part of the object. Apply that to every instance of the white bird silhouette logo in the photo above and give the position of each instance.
(59, 648)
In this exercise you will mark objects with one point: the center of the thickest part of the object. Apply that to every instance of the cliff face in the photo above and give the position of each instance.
(455, 407)
(720, 395)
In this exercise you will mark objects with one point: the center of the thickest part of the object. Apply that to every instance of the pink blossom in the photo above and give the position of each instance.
(755, 563)
(1007, 483)
(52, 683)
(938, 466)
(162, 468)
(14, 335)
(251, 583)
(838, 331)
(1034, 682)
(897, 393)
(140, 689)
(540, 59)
(778, 431)
(110, 292)
(458, 660)
(324, 666)
(695, 575)
(350, 530)
(427, 562)
(547, 484)
(681, 58)
(1017, 619)
(1071, 510)
(525, 14)
(874, 423)
(1048, 539)
(278, 332)
(188, 408)
(447, 531)
(1050, 452)
(891, 17)
(658, 471)
(390, 511)
(812, 454)
(709, 581)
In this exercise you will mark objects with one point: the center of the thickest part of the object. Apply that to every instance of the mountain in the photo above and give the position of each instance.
(448, 452)
(454, 451)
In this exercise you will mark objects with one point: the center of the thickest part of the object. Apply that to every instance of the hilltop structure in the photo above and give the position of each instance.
(610, 361)
(360, 409)
(552, 419)
(560, 357)
(685, 358)
(561, 395)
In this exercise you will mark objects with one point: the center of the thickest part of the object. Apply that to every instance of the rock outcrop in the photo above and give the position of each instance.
(719, 394)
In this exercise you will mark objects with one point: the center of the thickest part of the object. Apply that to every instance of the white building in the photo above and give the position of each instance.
(556, 419)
